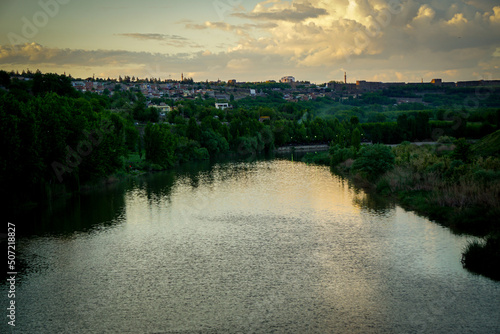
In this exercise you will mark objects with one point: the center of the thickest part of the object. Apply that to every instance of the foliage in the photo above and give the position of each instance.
(489, 145)
(214, 142)
(321, 158)
(159, 144)
(55, 140)
(45, 120)
(374, 160)
(50, 82)
(356, 139)
(446, 140)
(483, 257)
(462, 150)
(340, 154)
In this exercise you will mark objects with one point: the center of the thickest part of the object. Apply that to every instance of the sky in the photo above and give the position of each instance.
(251, 40)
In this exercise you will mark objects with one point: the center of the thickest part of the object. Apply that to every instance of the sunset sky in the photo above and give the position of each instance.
(250, 40)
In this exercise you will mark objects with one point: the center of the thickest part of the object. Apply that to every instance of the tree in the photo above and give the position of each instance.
(131, 137)
(214, 142)
(356, 139)
(374, 160)
(193, 130)
(423, 129)
(4, 79)
(462, 150)
(459, 124)
(160, 144)
(50, 82)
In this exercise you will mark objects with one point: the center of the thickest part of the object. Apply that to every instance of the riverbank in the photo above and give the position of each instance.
(446, 182)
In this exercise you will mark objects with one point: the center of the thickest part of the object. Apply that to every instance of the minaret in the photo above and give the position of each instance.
(345, 77)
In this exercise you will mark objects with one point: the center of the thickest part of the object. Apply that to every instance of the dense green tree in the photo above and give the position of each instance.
(131, 137)
(193, 130)
(340, 154)
(459, 124)
(4, 79)
(462, 150)
(374, 160)
(214, 142)
(51, 82)
(356, 139)
(159, 144)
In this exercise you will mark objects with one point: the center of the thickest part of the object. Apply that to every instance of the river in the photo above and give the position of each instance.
(270, 246)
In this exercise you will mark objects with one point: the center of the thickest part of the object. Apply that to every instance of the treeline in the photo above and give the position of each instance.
(418, 126)
(56, 143)
(57, 139)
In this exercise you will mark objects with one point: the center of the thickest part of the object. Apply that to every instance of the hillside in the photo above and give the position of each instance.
(488, 145)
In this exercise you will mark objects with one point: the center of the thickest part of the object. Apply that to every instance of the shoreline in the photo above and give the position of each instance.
(477, 219)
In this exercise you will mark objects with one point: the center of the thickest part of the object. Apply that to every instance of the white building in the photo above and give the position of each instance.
(222, 106)
(287, 79)
(162, 108)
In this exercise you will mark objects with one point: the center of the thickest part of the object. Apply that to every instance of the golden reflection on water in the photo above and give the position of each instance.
(254, 247)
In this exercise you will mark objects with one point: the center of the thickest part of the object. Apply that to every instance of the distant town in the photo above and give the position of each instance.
(225, 91)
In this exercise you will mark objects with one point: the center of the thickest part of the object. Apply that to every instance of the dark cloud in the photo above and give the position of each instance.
(158, 37)
(297, 13)
(171, 40)
(204, 65)
(230, 27)
(35, 53)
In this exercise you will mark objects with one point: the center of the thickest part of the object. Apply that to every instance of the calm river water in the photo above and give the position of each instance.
(269, 246)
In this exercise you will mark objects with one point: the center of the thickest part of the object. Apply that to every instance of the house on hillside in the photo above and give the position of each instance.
(222, 106)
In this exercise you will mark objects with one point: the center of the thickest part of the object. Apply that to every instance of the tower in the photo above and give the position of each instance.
(182, 76)
(345, 77)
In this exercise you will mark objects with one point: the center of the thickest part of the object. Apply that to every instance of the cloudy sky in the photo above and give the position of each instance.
(251, 40)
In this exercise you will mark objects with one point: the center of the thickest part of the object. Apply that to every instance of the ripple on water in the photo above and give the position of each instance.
(269, 246)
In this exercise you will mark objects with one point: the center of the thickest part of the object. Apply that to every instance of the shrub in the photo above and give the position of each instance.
(437, 167)
(486, 176)
(446, 140)
(201, 154)
(374, 160)
(340, 154)
(462, 150)
(383, 186)
(321, 158)
(483, 257)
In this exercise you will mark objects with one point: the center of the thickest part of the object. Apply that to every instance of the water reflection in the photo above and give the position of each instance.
(373, 203)
(84, 212)
(254, 246)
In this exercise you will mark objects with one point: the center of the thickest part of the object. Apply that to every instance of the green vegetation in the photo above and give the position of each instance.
(58, 140)
(321, 158)
(374, 160)
(488, 146)
(483, 257)
(452, 182)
